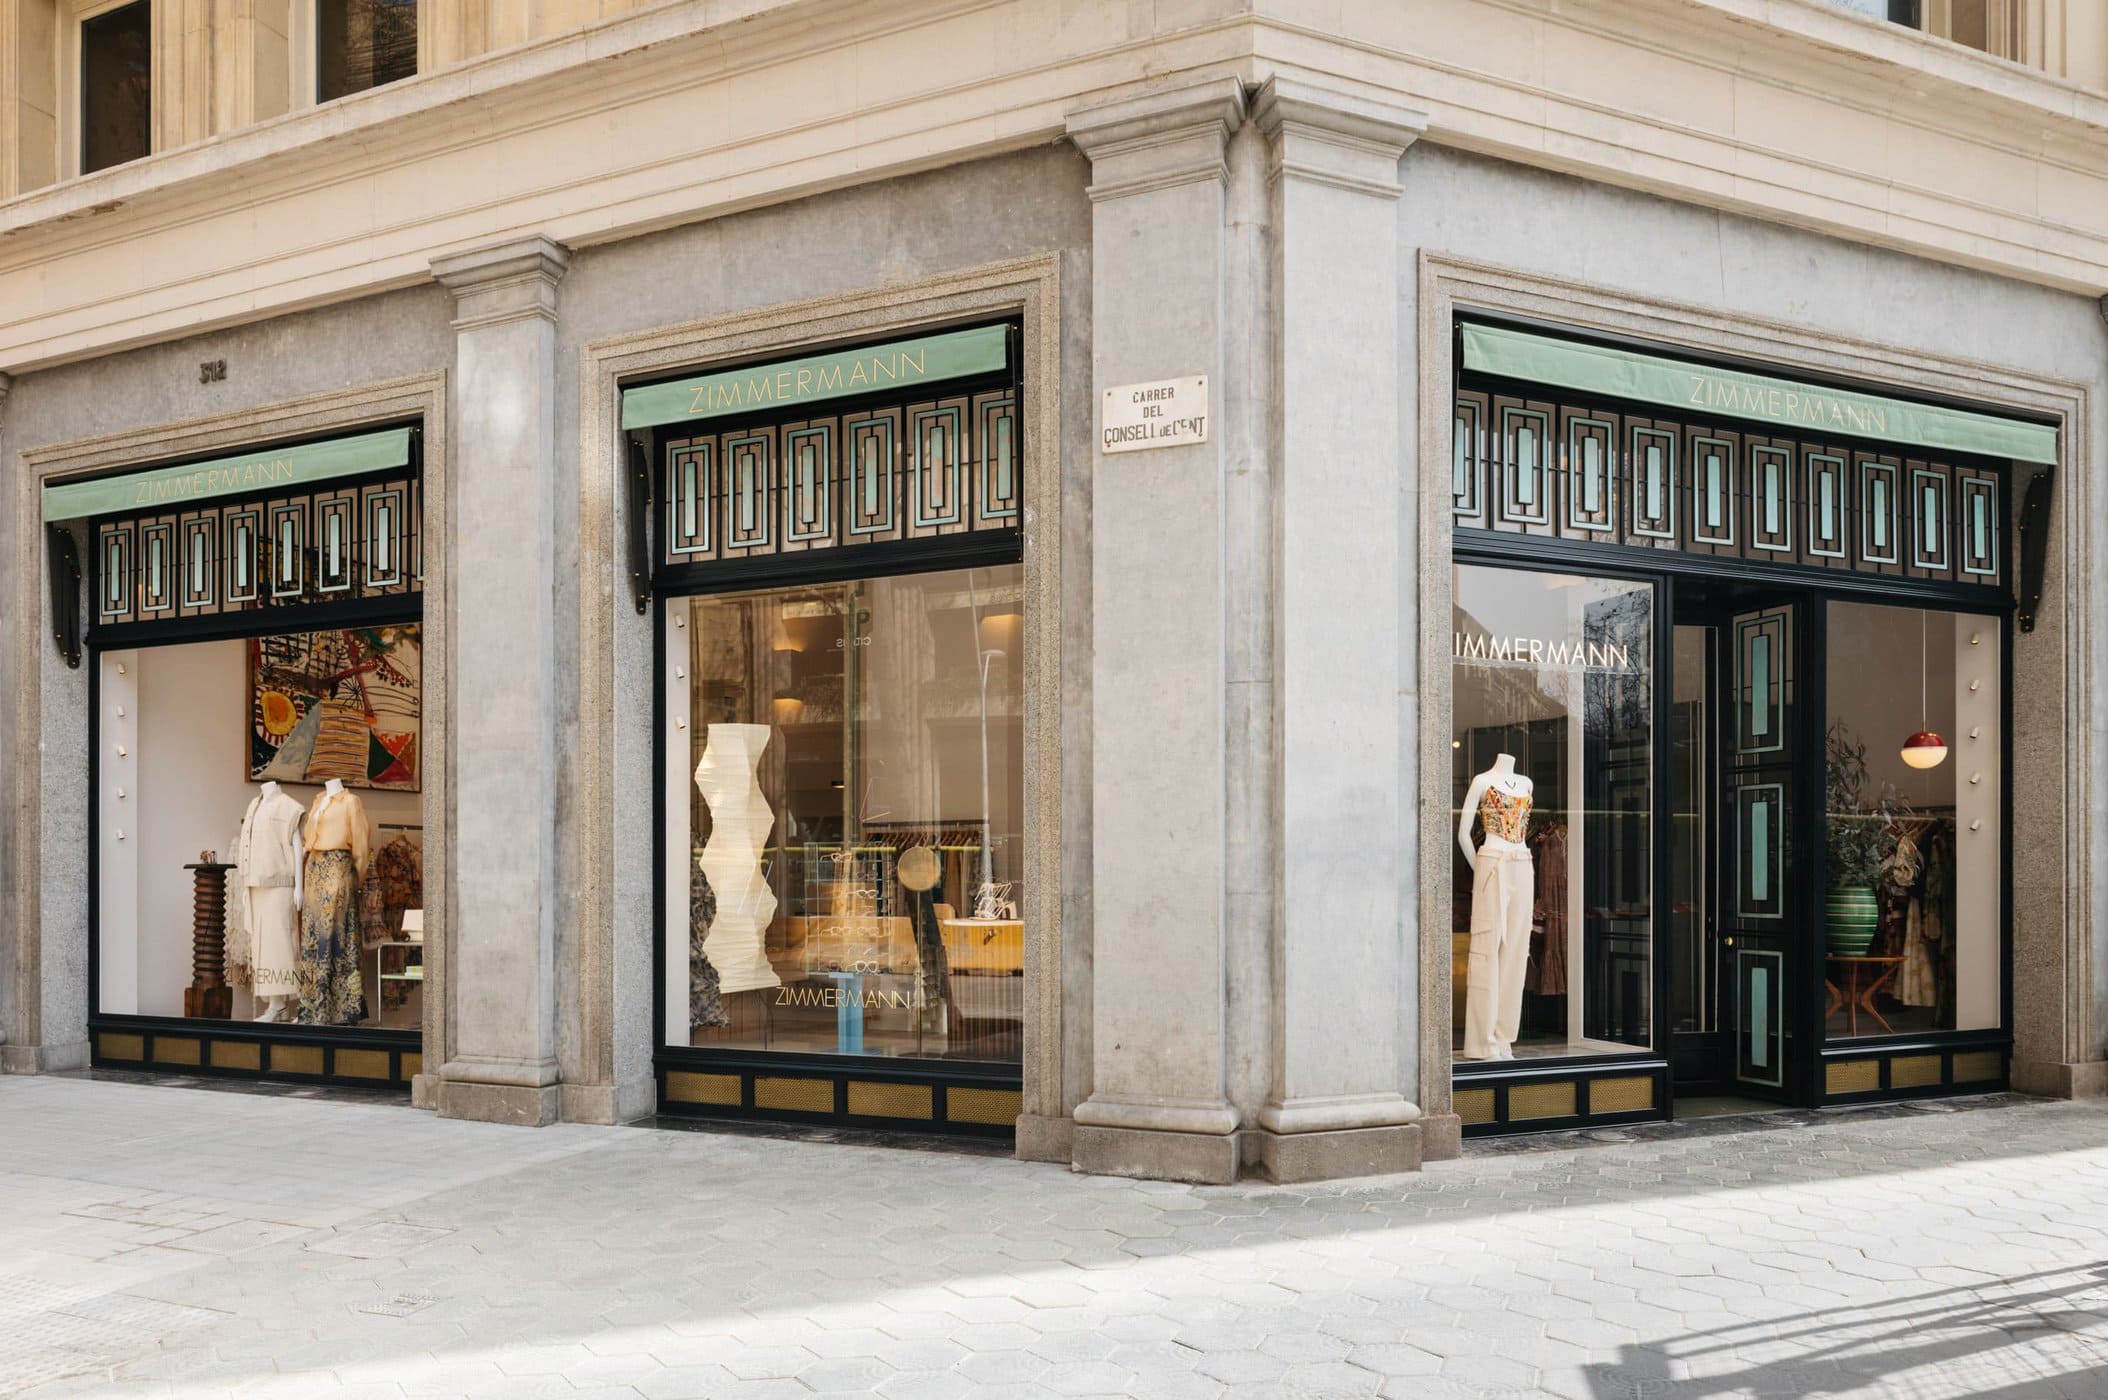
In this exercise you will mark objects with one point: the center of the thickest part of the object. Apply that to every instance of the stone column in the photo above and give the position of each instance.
(1160, 265)
(499, 1057)
(1344, 959)
(10, 877)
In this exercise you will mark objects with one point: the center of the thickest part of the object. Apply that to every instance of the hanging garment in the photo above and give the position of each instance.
(1898, 893)
(933, 969)
(394, 885)
(331, 991)
(265, 953)
(1919, 983)
(1548, 929)
(1502, 892)
(706, 1004)
(1936, 929)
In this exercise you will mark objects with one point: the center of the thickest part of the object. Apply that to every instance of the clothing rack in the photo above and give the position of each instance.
(399, 826)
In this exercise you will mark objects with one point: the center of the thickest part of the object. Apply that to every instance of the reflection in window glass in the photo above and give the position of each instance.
(363, 44)
(845, 803)
(116, 86)
(1552, 932)
(1911, 914)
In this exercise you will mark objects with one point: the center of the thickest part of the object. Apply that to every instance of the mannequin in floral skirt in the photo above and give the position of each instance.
(335, 837)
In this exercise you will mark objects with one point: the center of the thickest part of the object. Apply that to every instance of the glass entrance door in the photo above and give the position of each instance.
(1759, 914)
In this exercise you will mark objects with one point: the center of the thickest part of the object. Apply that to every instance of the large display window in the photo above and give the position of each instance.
(1552, 774)
(844, 810)
(261, 796)
(1913, 810)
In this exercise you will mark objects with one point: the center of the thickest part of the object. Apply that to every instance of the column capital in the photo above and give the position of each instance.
(1160, 138)
(502, 282)
(1333, 137)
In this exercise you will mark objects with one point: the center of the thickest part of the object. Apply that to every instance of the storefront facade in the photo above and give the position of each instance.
(841, 700)
(1691, 631)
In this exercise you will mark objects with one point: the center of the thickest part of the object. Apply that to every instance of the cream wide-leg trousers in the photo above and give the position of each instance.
(1503, 890)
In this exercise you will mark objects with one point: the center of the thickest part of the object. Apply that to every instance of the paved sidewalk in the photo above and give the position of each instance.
(160, 1241)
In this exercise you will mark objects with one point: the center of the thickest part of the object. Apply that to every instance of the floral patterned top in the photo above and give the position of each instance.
(1504, 814)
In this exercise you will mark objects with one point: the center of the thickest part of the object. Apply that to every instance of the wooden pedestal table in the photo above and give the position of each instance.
(1863, 977)
(208, 996)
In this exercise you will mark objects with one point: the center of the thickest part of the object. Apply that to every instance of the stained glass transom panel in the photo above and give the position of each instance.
(1538, 466)
(934, 467)
(347, 540)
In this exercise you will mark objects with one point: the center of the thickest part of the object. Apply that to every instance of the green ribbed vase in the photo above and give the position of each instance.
(1854, 918)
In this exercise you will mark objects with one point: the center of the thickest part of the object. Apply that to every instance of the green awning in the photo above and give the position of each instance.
(1701, 389)
(899, 364)
(279, 469)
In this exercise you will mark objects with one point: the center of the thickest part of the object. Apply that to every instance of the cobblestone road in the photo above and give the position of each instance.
(161, 1241)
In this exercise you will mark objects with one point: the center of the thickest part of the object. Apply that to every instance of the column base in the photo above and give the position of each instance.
(44, 1059)
(610, 1103)
(1328, 1156)
(520, 1105)
(1154, 1154)
(2083, 1079)
(1043, 1139)
(1441, 1137)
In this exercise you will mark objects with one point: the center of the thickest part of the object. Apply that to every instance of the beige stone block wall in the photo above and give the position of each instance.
(29, 96)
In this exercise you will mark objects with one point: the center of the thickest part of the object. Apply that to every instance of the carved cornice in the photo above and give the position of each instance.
(507, 281)
(1335, 138)
(1160, 138)
(1783, 110)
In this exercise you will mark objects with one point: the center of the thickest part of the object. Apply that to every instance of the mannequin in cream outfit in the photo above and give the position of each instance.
(268, 860)
(1503, 894)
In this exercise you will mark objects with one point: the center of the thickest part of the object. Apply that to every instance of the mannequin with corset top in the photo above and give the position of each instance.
(1503, 893)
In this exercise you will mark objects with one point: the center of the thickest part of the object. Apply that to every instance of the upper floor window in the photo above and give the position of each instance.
(363, 44)
(116, 86)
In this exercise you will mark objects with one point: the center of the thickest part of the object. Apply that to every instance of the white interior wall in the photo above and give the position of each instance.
(679, 773)
(1976, 754)
(117, 839)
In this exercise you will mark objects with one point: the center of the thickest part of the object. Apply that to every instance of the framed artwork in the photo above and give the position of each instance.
(346, 703)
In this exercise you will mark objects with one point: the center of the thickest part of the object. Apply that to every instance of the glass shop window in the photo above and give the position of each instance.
(363, 44)
(1913, 792)
(117, 89)
(259, 838)
(1551, 780)
(844, 811)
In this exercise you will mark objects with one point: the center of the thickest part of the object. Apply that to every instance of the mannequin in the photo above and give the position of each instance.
(335, 837)
(1503, 892)
(268, 861)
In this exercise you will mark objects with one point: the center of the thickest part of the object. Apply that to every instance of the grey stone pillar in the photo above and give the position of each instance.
(1160, 265)
(13, 607)
(1345, 958)
(499, 1062)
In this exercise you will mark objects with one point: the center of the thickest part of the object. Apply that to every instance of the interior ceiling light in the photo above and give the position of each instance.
(1923, 749)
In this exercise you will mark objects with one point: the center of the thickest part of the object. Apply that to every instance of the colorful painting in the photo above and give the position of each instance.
(344, 704)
